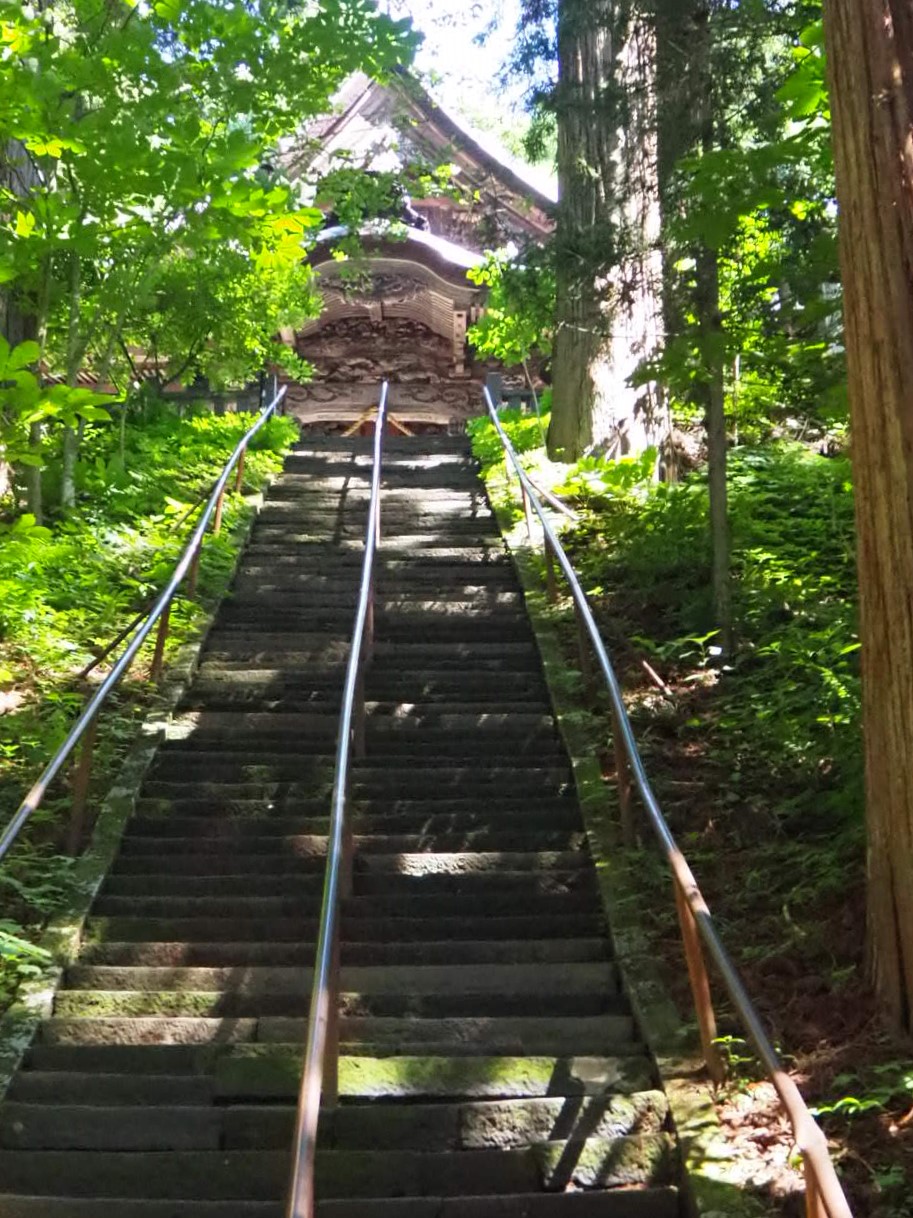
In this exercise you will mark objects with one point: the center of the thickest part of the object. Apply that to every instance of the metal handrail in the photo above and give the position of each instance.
(320, 1076)
(85, 726)
(824, 1196)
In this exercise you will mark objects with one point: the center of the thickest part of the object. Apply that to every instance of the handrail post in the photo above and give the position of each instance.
(625, 783)
(194, 570)
(359, 724)
(239, 476)
(330, 1090)
(81, 789)
(586, 667)
(158, 658)
(220, 506)
(551, 582)
(527, 511)
(700, 985)
(814, 1202)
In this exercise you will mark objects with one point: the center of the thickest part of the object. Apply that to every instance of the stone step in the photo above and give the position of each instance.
(403, 773)
(179, 954)
(282, 812)
(204, 863)
(408, 906)
(390, 572)
(369, 928)
(199, 1016)
(428, 1127)
(618, 1203)
(250, 884)
(385, 979)
(409, 656)
(325, 556)
(370, 849)
(201, 1069)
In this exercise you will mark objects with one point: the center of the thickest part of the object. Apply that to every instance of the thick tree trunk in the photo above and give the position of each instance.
(714, 398)
(71, 438)
(608, 275)
(870, 61)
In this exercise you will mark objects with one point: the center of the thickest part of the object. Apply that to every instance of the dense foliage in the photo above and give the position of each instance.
(143, 216)
(66, 594)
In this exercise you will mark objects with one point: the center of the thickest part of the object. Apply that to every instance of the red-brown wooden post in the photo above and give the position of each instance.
(700, 986)
(81, 780)
(217, 523)
(158, 658)
(625, 783)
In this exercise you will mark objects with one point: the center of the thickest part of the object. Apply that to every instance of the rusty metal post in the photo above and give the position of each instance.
(625, 784)
(700, 986)
(239, 476)
(527, 511)
(76, 828)
(359, 727)
(551, 582)
(194, 570)
(217, 523)
(583, 652)
(330, 1090)
(158, 658)
(814, 1202)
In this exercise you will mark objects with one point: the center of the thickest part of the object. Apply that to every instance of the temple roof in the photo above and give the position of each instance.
(383, 126)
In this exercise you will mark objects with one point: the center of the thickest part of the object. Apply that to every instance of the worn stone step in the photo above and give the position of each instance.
(201, 1017)
(298, 649)
(427, 1127)
(247, 883)
(280, 812)
(371, 928)
(326, 556)
(251, 1071)
(403, 773)
(386, 979)
(259, 1175)
(220, 955)
(384, 858)
(83, 1017)
(618, 1203)
(288, 692)
(406, 906)
(81, 1082)
(543, 845)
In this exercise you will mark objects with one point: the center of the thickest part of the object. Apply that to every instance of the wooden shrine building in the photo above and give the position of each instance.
(405, 315)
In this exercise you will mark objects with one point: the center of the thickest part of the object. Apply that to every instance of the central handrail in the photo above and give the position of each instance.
(84, 727)
(824, 1196)
(320, 1076)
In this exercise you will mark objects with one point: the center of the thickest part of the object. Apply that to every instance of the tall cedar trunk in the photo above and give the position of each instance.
(71, 437)
(686, 124)
(608, 276)
(870, 58)
(707, 302)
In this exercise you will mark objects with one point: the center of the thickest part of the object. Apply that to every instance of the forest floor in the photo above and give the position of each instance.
(757, 764)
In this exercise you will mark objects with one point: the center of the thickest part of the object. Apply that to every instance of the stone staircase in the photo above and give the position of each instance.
(490, 1062)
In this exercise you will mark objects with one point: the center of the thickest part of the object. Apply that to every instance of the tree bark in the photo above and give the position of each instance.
(870, 63)
(712, 390)
(607, 234)
(70, 437)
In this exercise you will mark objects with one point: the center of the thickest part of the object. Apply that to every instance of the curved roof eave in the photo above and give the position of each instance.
(414, 243)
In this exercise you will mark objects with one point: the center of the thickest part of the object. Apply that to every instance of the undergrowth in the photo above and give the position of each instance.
(68, 589)
(757, 763)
